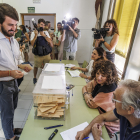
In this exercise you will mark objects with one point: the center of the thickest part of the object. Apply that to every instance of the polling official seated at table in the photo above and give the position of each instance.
(127, 110)
(98, 93)
(97, 54)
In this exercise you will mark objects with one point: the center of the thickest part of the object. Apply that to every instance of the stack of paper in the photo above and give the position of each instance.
(74, 73)
(69, 65)
(71, 133)
(50, 106)
(53, 67)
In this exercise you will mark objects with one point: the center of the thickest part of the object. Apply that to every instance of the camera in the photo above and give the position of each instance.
(22, 39)
(35, 26)
(70, 22)
(98, 33)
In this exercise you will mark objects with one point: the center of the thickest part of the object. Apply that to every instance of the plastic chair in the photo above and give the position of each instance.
(84, 65)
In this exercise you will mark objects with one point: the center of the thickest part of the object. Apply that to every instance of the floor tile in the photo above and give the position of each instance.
(26, 97)
(22, 88)
(26, 117)
(24, 83)
(2, 139)
(20, 114)
(27, 93)
(24, 104)
(18, 124)
(29, 88)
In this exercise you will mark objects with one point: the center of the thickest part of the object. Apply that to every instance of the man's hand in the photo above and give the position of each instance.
(36, 32)
(81, 134)
(16, 74)
(18, 39)
(70, 28)
(42, 34)
(26, 69)
(97, 131)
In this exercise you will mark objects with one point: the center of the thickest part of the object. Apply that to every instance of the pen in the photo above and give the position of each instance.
(53, 126)
(72, 92)
(53, 134)
(85, 138)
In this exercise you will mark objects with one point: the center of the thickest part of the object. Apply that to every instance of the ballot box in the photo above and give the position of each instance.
(50, 96)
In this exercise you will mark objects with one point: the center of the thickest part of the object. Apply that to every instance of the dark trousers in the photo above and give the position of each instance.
(19, 81)
(110, 56)
(8, 104)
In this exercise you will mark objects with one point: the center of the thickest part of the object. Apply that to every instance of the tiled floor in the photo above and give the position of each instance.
(25, 101)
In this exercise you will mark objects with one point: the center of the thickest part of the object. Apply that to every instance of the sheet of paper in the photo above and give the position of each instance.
(69, 65)
(71, 133)
(53, 67)
(74, 73)
(52, 82)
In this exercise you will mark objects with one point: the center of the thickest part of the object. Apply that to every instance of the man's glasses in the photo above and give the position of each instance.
(114, 100)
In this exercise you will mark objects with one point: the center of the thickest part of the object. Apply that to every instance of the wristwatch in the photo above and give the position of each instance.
(103, 42)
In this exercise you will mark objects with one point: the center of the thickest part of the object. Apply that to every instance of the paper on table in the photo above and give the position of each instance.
(53, 67)
(71, 133)
(52, 82)
(74, 73)
(69, 65)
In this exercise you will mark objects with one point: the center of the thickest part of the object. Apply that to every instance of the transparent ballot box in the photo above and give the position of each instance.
(49, 97)
(54, 68)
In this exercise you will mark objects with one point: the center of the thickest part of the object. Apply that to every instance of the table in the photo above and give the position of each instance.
(78, 81)
(77, 113)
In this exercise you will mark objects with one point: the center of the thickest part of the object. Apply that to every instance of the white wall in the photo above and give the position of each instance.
(83, 9)
(46, 18)
(133, 69)
(105, 11)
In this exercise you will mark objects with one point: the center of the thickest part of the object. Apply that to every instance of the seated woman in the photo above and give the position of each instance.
(97, 54)
(98, 93)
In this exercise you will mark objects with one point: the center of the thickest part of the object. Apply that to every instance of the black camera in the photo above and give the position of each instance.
(66, 23)
(99, 33)
(22, 39)
(35, 26)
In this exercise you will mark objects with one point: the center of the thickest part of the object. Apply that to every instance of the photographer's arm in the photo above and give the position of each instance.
(113, 42)
(97, 42)
(35, 37)
(49, 41)
(27, 36)
(63, 35)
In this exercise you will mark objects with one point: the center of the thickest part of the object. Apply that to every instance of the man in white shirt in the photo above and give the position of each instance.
(39, 61)
(9, 59)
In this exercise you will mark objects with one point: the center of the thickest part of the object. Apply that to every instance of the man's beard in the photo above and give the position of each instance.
(6, 33)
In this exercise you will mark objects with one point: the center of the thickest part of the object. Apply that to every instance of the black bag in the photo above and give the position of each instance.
(41, 47)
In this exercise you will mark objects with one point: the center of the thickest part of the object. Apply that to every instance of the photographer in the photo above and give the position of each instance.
(70, 38)
(40, 39)
(109, 42)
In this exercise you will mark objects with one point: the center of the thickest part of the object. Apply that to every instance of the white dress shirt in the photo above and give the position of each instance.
(9, 55)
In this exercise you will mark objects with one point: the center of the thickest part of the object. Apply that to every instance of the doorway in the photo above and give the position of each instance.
(27, 19)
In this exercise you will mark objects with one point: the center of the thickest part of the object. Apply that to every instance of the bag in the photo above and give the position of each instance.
(41, 47)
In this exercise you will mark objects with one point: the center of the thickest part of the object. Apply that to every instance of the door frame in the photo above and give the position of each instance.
(36, 14)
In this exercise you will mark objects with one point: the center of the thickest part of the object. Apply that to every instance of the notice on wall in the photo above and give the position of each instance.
(31, 9)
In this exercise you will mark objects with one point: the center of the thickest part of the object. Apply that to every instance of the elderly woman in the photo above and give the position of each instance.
(98, 93)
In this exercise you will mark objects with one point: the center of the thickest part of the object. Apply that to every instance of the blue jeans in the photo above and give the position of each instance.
(8, 104)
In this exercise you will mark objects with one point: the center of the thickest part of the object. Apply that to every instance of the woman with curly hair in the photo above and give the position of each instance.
(110, 40)
(98, 93)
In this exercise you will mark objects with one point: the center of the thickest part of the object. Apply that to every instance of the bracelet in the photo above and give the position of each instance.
(85, 93)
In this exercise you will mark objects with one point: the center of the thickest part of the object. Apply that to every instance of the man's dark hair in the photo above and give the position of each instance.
(41, 20)
(47, 22)
(76, 19)
(7, 10)
(59, 23)
(26, 25)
